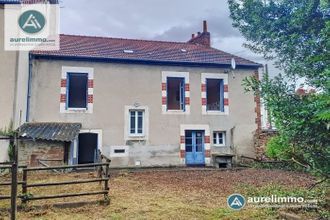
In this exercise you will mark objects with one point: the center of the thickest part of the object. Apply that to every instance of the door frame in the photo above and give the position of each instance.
(207, 145)
(73, 158)
(194, 147)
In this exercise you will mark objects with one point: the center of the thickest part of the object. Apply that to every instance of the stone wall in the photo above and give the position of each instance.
(260, 141)
(31, 151)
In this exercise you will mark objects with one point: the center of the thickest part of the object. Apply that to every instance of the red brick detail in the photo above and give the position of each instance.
(187, 87)
(225, 88)
(164, 101)
(90, 98)
(90, 83)
(187, 101)
(203, 87)
(203, 101)
(163, 86)
(182, 139)
(63, 82)
(207, 139)
(182, 153)
(226, 102)
(63, 98)
(207, 153)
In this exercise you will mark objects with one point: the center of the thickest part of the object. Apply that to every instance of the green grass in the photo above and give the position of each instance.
(170, 195)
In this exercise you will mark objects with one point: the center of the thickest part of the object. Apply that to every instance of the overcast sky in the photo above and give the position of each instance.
(172, 20)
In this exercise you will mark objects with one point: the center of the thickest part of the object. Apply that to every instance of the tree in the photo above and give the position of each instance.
(295, 34)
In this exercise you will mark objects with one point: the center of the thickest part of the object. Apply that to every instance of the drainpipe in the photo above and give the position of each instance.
(29, 89)
(14, 119)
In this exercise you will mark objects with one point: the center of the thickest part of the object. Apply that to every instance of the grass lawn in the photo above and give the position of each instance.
(158, 194)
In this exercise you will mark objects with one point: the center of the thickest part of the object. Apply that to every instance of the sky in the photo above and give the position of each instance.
(169, 20)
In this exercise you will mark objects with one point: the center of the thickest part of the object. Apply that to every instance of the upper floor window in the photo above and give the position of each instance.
(175, 93)
(214, 95)
(77, 85)
(136, 122)
(77, 90)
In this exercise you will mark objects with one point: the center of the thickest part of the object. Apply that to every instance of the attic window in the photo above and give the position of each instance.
(128, 51)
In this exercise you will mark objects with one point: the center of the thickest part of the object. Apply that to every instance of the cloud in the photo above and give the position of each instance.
(169, 20)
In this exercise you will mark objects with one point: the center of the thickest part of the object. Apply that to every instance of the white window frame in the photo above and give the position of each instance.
(217, 144)
(136, 134)
(145, 123)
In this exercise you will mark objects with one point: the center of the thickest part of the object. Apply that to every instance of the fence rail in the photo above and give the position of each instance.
(103, 175)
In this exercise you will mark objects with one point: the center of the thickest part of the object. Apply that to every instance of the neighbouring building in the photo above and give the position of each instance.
(140, 102)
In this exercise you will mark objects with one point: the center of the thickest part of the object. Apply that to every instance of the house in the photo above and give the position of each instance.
(141, 102)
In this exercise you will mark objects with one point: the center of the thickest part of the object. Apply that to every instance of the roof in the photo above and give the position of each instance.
(10, 1)
(50, 131)
(27, 1)
(133, 50)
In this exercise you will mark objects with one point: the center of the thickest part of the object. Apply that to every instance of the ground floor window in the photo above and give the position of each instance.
(136, 122)
(219, 138)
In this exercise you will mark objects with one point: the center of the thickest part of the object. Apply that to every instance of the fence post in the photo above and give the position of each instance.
(14, 168)
(24, 188)
(99, 169)
(106, 182)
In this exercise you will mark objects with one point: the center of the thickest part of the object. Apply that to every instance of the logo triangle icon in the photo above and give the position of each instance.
(236, 202)
(32, 22)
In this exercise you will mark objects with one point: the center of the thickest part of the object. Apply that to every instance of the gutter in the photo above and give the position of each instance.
(29, 89)
(143, 61)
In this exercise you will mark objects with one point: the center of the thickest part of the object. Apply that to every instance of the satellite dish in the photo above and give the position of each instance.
(233, 63)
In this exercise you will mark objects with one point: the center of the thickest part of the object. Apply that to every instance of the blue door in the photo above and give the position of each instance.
(194, 147)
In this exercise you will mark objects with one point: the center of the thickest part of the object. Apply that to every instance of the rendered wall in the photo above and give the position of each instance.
(120, 85)
(7, 79)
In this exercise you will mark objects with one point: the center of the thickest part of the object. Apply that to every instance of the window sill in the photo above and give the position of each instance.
(215, 113)
(136, 138)
(175, 112)
(219, 145)
(77, 110)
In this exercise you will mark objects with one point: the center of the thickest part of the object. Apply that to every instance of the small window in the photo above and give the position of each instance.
(214, 95)
(77, 90)
(219, 138)
(119, 151)
(175, 93)
(136, 122)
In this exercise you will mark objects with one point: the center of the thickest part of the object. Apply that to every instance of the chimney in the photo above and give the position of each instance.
(204, 26)
(203, 38)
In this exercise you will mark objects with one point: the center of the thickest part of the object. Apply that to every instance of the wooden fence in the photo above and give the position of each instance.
(103, 176)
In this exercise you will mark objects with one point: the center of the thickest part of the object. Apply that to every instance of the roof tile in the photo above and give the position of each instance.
(143, 50)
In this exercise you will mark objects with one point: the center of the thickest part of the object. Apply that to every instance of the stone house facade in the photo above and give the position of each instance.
(140, 102)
